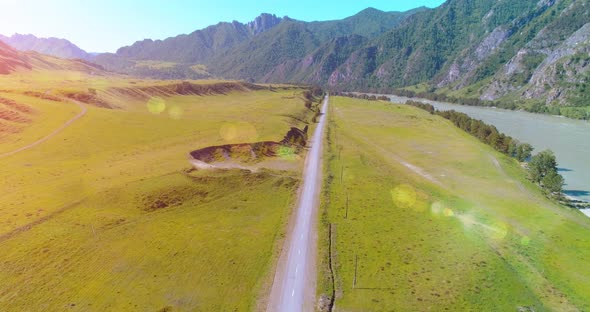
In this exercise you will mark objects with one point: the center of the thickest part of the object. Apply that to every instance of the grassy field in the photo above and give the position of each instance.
(106, 215)
(430, 219)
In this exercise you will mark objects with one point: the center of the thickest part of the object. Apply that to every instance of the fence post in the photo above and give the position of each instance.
(346, 215)
(356, 261)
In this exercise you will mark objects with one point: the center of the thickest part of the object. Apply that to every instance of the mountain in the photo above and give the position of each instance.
(530, 54)
(263, 44)
(292, 44)
(12, 60)
(50, 46)
(462, 42)
(196, 47)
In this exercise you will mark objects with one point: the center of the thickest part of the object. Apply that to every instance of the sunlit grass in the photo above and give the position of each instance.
(104, 216)
(435, 225)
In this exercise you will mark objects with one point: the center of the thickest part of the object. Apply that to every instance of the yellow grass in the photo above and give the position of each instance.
(81, 225)
(439, 221)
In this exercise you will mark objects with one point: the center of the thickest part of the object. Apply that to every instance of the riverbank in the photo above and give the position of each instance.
(404, 239)
(568, 138)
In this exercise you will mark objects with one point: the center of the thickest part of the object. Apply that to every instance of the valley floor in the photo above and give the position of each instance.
(107, 215)
(419, 216)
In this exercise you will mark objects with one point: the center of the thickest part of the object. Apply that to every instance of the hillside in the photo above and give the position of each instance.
(530, 54)
(246, 51)
(176, 57)
(12, 60)
(296, 51)
(526, 54)
(51, 46)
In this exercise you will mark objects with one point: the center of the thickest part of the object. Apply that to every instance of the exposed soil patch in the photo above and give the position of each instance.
(183, 88)
(6, 129)
(238, 155)
(42, 95)
(87, 98)
(12, 116)
(170, 198)
(16, 106)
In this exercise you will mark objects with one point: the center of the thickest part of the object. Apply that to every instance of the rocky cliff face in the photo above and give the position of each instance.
(554, 64)
(263, 23)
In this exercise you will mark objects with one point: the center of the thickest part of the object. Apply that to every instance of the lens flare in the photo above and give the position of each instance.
(404, 196)
(467, 220)
(287, 153)
(156, 105)
(448, 212)
(175, 112)
(228, 132)
(498, 231)
(436, 208)
(239, 131)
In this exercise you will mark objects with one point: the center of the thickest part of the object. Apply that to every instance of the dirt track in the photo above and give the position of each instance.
(52, 134)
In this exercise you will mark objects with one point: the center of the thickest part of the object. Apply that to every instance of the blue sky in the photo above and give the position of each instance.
(106, 25)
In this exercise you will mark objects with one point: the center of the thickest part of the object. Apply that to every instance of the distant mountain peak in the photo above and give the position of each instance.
(371, 10)
(263, 23)
(51, 46)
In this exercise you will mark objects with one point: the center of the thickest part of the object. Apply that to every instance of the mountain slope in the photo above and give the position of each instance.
(530, 54)
(248, 51)
(419, 49)
(50, 46)
(286, 52)
(199, 45)
(12, 60)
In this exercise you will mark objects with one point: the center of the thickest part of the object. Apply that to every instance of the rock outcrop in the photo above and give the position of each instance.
(292, 144)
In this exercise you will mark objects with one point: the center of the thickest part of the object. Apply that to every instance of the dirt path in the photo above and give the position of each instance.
(294, 284)
(52, 134)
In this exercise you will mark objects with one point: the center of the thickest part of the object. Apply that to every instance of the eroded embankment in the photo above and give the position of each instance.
(14, 116)
(246, 155)
(103, 98)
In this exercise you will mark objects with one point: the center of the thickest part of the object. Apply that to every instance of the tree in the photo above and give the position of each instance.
(553, 182)
(542, 164)
(523, 152)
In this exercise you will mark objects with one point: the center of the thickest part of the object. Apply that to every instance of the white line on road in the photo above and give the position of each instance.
(299, 254)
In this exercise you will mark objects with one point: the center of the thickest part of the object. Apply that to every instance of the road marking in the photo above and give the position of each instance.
(303, 226)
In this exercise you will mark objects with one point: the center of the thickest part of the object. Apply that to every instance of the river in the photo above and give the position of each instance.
(569, 139)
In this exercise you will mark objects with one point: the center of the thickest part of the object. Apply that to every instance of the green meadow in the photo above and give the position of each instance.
(419, 216)
(107, 215)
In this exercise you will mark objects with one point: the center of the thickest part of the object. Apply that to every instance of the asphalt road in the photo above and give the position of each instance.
(297, 278)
